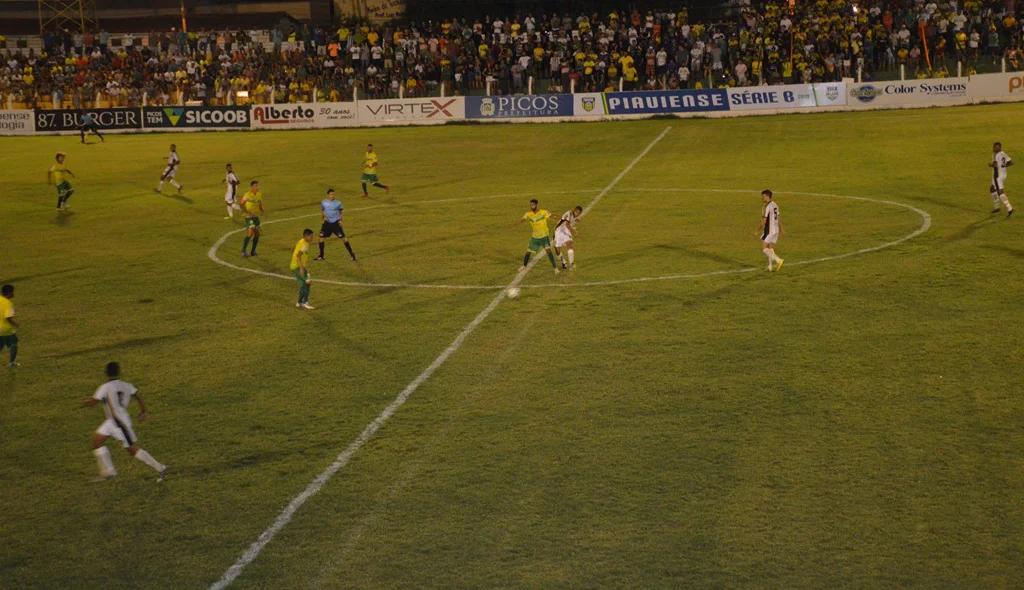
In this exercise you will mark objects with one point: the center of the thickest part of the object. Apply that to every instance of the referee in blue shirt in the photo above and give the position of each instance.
(88, 124)
(331, 209)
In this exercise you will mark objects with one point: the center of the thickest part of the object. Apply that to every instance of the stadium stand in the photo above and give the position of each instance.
(285, 61)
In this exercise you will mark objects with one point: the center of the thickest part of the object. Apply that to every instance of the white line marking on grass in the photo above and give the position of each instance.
(212, 253)
(926, 222)
(285, 516)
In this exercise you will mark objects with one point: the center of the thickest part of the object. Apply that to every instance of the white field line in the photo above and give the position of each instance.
(212, 253)
(285, 516)
(926, 222)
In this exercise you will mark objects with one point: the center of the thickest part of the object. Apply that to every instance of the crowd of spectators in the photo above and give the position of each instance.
(765, 44)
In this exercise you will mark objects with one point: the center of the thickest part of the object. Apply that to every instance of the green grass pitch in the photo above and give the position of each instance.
(853, 422)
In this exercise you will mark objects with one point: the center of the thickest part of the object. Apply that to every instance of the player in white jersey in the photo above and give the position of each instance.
(565, 231)
(770, 230)
(115, 395)
(171, 170)
(1000, 162)
(231, 180)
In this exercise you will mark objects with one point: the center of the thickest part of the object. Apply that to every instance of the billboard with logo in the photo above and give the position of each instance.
(909, 92)
(758, 98)
(519, 106)
(658, 102)
(70, 119)
(17, 122)
(830, 94)
(171, 118)
(305, 115)
(588, 104)
(422, 110)
(1008, 86)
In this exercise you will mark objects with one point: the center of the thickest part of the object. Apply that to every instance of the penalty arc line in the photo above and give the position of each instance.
(342, 459)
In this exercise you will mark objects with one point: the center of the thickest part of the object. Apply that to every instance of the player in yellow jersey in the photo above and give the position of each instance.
(58, 176)
(252, 202)
(540, 237)
(300, 255)
(370, 171)
(8, 325)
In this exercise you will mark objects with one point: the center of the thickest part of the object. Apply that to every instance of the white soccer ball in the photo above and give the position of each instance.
(512, 293)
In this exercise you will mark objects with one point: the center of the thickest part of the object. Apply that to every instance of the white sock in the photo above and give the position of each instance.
(995, 199)
(767, 252)
(572, 257)
(160, 186)
(175, 184)
(148, 459)
(1006, 202)
(105, 462)
(231, 212)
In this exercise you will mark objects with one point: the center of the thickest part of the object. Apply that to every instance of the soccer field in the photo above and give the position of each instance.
(668, 415)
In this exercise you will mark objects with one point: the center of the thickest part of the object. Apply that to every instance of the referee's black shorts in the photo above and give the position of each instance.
(331, 228)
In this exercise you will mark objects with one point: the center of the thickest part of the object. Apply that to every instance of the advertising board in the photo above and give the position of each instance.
(171, 118)
(70, 119)
(908, 92)
(432, 110)
(658, 102)
(17, 122)
(305, 115)
(519, 106)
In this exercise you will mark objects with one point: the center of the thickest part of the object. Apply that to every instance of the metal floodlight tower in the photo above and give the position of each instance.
(77, 16)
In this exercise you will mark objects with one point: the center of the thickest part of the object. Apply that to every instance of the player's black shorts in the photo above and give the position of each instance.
(331, 229)
(92, 128)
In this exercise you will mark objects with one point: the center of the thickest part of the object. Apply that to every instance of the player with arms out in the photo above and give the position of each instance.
(252, 202)
(540, 238)
(565, 231)
(115, 395)
(173, 161)
(231, 180)
(770, 230)
(89, 125)
(300, 254)
(1000, 162)
(58, 176)
(8, 325)
(370, 171)
(331, 209)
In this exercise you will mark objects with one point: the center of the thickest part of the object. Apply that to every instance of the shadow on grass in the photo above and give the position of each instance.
(177, 197)
(695, 253)
(41, 275)
(1015, 252)
(122, 345)
(63, 218)
(970, 230)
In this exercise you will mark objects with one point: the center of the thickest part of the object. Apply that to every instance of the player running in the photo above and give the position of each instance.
(330, 210)
(231, 180)
(370, 171)
(565, 231)
(300, 254)
(1000, 162)
(540, 238)
(8, 325)
(252, 202)
(115, 395)
(58, 176)
(173, 161)
(770, 229)
(88, 125)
